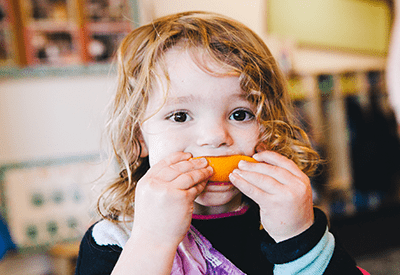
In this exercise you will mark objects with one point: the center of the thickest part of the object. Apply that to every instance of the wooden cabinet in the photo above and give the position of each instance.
(68, 32)
(105, 23)
(7, 39)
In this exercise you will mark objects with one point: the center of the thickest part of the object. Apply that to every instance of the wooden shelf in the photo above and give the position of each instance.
(63, 32)
(7, 45)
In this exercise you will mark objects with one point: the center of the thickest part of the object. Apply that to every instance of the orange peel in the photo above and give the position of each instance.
(224, 165)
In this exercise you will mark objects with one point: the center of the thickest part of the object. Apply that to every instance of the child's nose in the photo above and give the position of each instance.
(214, 134)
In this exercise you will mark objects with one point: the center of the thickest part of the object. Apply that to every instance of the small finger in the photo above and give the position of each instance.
(197, 189)
(278, 173)
(170, 160)
(250, 190)
(276, 159)
(175, 170)
(191, 164)
(192, 178)
(263, 182)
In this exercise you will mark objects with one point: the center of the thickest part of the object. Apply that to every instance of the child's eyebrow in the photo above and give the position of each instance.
(190, 98)
(180, 99)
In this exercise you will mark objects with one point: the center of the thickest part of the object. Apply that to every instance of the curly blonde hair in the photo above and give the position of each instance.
(228, 43)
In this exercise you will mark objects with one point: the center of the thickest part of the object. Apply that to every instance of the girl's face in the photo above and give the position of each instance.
(204, 115)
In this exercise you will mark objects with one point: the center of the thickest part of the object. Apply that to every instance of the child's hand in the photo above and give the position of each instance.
(282, 191)
(165, 195)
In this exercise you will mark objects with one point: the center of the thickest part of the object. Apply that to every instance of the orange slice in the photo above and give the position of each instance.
(224, 165)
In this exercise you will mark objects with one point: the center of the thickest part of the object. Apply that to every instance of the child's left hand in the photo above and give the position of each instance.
(282, 191)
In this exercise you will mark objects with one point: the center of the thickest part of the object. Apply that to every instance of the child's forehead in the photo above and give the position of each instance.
(179, 64)
(199, 59)
(174, 78)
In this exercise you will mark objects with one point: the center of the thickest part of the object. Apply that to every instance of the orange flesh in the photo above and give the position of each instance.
(224, 165)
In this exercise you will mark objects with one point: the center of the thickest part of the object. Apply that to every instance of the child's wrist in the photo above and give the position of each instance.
(280, 238)
(144, 254)
(293, 248)
(152, 240)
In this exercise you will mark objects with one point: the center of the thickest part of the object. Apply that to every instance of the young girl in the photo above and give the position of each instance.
(198, 84)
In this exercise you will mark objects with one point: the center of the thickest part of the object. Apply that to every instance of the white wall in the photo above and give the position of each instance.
(250, 12)
(52, 117)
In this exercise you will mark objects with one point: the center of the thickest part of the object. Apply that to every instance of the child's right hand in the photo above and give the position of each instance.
(165, 195)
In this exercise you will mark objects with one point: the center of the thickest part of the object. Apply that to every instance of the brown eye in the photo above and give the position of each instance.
(241, 115)
(179, 117)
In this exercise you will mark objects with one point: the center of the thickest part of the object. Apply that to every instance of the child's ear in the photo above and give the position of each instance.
(144, 152)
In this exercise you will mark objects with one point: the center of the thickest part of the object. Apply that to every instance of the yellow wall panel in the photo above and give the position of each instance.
(360, 25)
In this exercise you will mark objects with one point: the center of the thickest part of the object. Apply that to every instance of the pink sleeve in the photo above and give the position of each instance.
(363, 271)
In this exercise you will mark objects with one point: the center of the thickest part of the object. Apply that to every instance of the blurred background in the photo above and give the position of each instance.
(57, 76)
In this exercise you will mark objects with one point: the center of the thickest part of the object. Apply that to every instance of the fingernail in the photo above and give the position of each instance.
(201, 161)
(236, 171)
(242, 164)
(234, 175)
(256, 157)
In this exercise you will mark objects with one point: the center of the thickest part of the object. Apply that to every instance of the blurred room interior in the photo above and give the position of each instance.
(57, 76)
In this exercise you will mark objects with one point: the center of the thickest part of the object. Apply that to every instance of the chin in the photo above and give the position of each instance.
(223, 201)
